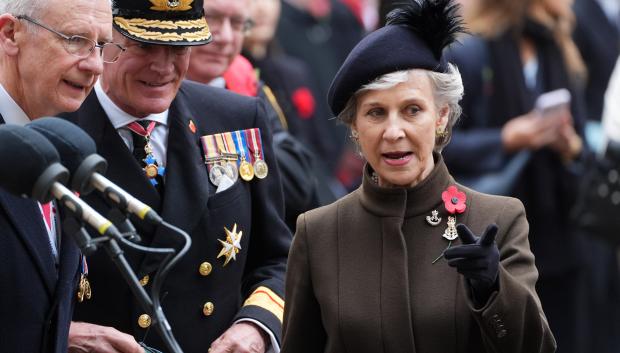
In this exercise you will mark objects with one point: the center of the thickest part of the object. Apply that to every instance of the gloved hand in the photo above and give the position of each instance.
(477, 259)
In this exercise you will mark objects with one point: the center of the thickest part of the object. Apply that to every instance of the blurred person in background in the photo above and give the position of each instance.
(597, 35)
(520, 50)
(322, 33)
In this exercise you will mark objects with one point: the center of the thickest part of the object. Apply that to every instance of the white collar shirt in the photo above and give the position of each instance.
(120, 119)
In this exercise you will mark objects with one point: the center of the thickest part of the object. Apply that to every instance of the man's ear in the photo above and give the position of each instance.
(8, 26)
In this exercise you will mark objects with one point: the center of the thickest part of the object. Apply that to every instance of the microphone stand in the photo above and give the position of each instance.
(151, 304)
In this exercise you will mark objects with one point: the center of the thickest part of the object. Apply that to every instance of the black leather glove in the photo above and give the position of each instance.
(477, 259)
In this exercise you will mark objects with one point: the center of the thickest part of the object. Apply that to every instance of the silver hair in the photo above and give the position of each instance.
(22, 7)
(30, 8)
(447, 91)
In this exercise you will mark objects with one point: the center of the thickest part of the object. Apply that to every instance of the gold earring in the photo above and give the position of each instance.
(354, 135)
(441, 132)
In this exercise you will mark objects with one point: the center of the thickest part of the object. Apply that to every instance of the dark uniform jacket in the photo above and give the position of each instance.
(36, 296)
(361, 277)
(250, 286)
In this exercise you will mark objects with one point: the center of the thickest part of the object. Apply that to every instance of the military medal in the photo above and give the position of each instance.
(230, 155)
(260, 167)
(152, 168)
(212, 159)
(232, 244)
(246, 171)
(84, 290)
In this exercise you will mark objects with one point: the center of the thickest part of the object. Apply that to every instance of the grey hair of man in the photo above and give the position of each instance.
(30, 8)
(447, 90)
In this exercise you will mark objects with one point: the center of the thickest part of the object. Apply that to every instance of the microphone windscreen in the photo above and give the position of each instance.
(24, 156)
(72, 143)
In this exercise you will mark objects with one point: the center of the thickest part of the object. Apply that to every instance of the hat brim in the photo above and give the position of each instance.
(166, 32)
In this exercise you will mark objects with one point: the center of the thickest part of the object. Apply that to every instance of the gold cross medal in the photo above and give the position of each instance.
(84, 290)
(232, 245)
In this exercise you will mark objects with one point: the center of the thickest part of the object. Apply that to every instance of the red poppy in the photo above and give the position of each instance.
(303, 100)
(454, 200)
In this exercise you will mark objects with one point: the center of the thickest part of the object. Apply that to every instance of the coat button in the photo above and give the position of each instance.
(205, 269)
(144, 321)
(502, 333)
(145, 280)
(208, 308)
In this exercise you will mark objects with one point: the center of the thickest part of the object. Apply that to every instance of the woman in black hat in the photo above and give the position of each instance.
(411, 261)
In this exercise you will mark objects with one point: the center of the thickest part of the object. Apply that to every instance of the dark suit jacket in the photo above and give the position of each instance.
(361, 277)
(36, 297)
(190, 202)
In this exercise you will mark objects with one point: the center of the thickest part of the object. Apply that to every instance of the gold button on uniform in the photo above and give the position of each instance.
(205, 269)
(208, 308)
(145, 280)
(144, 321)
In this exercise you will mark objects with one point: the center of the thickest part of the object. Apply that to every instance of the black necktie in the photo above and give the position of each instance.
(139, 143)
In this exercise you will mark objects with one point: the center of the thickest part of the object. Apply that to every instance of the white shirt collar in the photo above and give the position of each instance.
(118, 117)
(11, 112)
(218, 82)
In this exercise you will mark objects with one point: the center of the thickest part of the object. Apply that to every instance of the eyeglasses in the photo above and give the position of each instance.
(241, 25)
(81, 46)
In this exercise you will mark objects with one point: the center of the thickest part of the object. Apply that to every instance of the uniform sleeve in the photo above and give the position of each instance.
(263, 282)
(303, 331)
(512, 320)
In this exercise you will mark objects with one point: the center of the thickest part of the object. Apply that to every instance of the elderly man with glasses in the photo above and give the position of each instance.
(201, 157)
(51, 54)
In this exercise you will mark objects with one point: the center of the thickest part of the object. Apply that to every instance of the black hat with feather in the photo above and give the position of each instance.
(414, 37)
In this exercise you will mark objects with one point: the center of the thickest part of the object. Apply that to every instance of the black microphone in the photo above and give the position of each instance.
(78, 153)
(36, 173)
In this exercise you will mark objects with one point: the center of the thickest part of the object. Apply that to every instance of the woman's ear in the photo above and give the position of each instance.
(443, 118)
(8, 25)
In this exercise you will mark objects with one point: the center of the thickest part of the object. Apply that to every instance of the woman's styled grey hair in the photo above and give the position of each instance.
(447, 91)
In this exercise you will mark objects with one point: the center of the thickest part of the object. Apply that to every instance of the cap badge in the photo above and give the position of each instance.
(171, 5)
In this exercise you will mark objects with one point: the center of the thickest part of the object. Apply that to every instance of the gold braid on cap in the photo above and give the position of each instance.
(138, 27)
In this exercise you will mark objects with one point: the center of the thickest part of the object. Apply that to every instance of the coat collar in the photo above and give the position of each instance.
(405, 202)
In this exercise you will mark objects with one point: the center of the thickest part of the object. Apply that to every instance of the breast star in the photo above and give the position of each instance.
(232, 245)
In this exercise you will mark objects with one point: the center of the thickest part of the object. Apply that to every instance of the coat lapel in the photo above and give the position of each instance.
(27, 220)
(186, 178)
(186, 188)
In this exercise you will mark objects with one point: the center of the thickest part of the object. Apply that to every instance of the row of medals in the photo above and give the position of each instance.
(226, 164)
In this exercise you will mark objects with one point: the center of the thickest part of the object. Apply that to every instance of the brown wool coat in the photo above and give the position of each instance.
(360, 277)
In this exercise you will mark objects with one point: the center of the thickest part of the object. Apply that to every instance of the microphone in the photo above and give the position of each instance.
(78, 153)
(37, 174)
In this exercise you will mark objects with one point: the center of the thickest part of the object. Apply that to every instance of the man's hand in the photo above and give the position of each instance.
(89, 338)
(242, 337)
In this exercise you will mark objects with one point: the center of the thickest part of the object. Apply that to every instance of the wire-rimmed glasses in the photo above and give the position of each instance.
(81, 46)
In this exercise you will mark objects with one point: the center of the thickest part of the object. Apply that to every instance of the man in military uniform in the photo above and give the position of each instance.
(226, 294)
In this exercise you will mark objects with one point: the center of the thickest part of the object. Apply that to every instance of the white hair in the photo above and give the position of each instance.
(22, 7)
(447, 91)
(30, 8)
